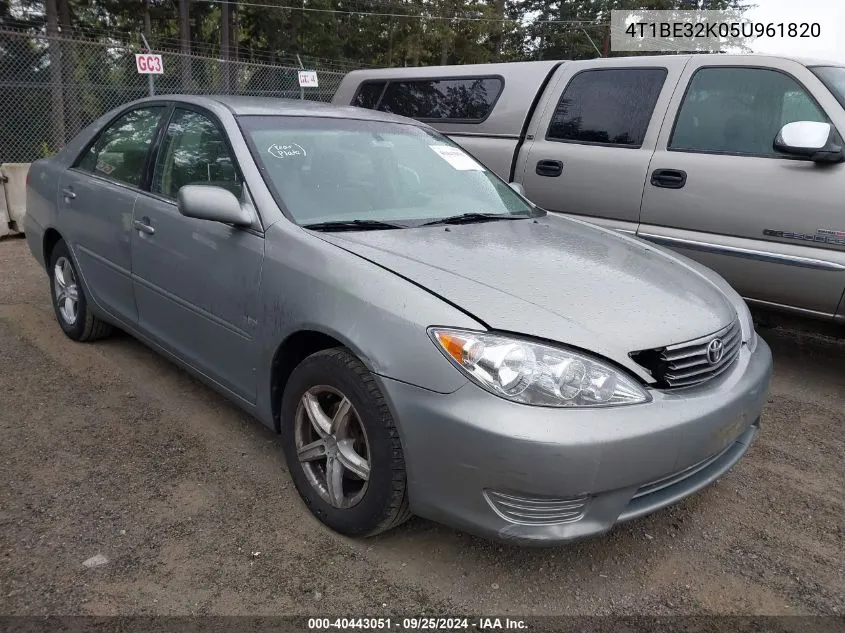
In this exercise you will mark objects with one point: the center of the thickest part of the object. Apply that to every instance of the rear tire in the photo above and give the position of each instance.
(365, 439)
(69, 301)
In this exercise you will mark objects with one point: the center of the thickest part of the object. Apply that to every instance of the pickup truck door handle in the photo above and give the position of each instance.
(144, 226)
(669, 178)
(68, 193)
(550, 168)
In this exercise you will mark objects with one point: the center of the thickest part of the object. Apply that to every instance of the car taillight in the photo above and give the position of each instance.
(27, 178)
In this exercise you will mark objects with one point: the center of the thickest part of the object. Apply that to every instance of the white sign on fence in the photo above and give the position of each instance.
(308, 79)
(149, 64)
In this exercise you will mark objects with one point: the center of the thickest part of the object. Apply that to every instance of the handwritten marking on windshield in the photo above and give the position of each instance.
(285, 151)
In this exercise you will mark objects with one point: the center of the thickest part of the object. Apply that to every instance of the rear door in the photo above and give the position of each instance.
(588, 149)
(770, 224)
(96, 201)
(197, 282)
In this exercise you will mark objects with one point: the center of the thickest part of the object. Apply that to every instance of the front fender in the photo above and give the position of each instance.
(309, 284)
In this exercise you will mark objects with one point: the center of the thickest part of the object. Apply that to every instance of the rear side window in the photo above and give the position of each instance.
(468, 99)
(740, 111)
(120, 152)
(368, 94)
(608, 107)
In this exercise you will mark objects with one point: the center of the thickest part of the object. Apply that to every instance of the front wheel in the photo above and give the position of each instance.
(342, 447)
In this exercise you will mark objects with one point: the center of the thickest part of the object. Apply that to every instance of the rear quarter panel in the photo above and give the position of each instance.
(41, 196)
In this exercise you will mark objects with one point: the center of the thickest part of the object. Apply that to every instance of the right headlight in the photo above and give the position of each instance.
(536, 374)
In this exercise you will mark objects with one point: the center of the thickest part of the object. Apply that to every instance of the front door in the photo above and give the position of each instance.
(97, 197)
(771, 225)
(197, 282)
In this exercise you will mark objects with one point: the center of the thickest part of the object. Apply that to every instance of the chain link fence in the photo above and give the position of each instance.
(54, 87)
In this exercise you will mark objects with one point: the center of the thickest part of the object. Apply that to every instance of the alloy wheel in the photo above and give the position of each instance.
(66, 290)
(332, 447)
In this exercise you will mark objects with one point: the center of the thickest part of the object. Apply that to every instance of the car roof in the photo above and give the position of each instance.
(269, 106)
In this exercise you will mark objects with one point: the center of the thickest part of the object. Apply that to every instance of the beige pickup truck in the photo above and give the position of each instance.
(733, 160)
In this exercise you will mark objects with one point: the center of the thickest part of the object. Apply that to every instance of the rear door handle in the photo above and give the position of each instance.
(144, 226)
(68, 193)
(669, 178)
(550, 168)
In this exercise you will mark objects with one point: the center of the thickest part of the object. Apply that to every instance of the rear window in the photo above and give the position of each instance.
(468, 99)
(607, 107)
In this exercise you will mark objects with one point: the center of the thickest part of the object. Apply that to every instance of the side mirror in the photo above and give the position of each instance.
(810, 140)
(518, 188)
(206, 202)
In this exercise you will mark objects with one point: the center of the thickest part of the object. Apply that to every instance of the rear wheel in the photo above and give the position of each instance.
(69, 301)
(342, 447)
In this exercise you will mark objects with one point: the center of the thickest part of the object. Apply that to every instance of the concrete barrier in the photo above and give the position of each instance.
(13, 203)
(5, 229)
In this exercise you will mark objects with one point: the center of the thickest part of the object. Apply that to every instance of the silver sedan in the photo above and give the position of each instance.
(424, 338)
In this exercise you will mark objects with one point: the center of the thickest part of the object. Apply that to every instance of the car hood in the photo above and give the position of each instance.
(554, 278)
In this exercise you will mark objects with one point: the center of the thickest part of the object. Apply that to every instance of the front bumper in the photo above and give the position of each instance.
(565, 474)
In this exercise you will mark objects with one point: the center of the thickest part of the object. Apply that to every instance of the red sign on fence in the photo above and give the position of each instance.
(149, 64)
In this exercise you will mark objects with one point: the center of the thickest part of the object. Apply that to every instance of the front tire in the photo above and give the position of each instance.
(342, 447)
(69, 301)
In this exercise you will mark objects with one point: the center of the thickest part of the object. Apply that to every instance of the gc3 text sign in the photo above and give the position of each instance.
(149, 64)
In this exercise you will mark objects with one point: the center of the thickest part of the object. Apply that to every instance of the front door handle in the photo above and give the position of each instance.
(550, 168)
(144, 226)
(68, 193)
(669, 178)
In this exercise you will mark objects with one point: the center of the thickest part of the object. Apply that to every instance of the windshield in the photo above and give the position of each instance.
(834, 78)
(342, 170)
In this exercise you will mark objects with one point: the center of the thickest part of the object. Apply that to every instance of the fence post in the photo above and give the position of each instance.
(301, 89)
(150, 81)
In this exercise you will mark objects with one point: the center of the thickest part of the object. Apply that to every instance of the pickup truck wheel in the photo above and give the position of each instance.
(69, 301)
(342, 447)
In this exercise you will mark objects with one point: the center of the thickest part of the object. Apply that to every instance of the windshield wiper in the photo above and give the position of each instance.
(353, 225)
(469, 218)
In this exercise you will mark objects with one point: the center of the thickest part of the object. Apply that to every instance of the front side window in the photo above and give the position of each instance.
(609, 107)
(740, 111)
(120, 152)
(328, 170)
(193, 152)
(834, 78)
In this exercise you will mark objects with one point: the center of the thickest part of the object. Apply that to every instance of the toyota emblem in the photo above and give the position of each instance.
(715, 350)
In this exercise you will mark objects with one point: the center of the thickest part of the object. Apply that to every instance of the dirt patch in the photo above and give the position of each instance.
(110, 449)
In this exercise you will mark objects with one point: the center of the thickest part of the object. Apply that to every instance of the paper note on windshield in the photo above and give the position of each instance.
(456, 158)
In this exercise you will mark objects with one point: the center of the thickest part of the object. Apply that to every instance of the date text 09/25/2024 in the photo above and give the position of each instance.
(416, 624)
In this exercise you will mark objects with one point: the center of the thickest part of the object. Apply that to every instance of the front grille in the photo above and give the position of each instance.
(536, 510)
(687, 364)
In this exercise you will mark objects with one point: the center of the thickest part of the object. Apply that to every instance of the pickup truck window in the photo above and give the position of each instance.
(834, 78)
(607, 107)
(466, 99)
(730, 110)
(368, 94)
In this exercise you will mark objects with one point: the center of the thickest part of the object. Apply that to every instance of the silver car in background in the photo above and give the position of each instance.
(425, 339)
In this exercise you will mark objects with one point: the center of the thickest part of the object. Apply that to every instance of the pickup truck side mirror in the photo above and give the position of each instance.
(810, 140)
(206, 202)
(518, 188)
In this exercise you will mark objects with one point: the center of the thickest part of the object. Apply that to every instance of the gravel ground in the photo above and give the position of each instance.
(109, 449)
